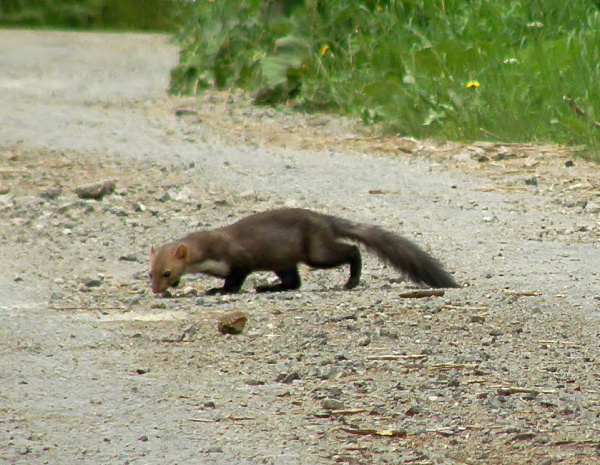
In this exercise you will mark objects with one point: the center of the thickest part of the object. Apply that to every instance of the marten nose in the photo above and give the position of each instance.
(156, 288)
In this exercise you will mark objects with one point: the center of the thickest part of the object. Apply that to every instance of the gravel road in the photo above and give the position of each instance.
(95, 369)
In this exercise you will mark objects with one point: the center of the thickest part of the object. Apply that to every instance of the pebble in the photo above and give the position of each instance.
(213, 450)
(287, 378)
(165, 197)
(413, 410)
(232, 323)
(523, 437)
(95, 191)
(255, 382)
(363, 341)
(332, 404)
(51, 193)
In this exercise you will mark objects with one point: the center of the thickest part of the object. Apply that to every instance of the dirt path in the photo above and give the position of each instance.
(93, 369)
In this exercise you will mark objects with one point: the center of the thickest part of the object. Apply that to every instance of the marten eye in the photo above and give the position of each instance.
(150, 275)
(167, 274)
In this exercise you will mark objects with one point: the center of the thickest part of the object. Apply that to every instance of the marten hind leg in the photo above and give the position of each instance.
(289, 280)
(332, 254)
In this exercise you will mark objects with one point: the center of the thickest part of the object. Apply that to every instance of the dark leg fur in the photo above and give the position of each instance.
(355, 271)
(233, 283)
(290, 280)
(325, 254)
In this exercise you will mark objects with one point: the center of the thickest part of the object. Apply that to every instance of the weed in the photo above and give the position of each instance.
(454, 69)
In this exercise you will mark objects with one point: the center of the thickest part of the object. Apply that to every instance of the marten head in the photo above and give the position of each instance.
(167, 265)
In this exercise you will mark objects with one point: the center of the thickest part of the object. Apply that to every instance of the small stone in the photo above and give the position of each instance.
(189, 332)
(95, 191)
(332, 404)
(134, 300)
(185, 112)
(496, 332)
(93, 283)
(363, 341)
(232, 323)
(213, 450)
(477, 319)
(339, 318)
(190, 291)
(119, 211)
(413, 410)
(51, 193)
(143, 438)
(287, 378)
(523, 437)
(184, 195)
(165, 197)
(255, 382)
(247, 195)
(331, 373)
(592, 207)
(129, 257)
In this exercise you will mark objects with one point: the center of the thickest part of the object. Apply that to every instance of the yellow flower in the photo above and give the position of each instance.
(472, 84)
(324, 50)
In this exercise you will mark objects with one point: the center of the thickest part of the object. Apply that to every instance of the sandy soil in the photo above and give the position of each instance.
(95, 369)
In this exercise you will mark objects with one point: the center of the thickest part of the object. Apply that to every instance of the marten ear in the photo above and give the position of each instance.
(182, 252)
(152, 251)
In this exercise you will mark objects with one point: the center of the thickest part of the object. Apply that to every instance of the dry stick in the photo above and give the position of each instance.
(501, 189)
(524, 293)
(578, 110)
(541, 341)
(394, 433)
(583, 442)
(86, 308)
(239, 418)
(354, 411)
(422, 293)
(522, 390)
(454, 366)
(396, 357)
(383, 191)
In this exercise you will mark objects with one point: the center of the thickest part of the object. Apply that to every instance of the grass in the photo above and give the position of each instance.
(155, 15)
(448, 69)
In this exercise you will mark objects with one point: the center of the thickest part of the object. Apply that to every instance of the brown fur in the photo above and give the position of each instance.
(278, 240)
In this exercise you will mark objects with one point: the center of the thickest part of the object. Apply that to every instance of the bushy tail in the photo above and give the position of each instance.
(402, 254)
